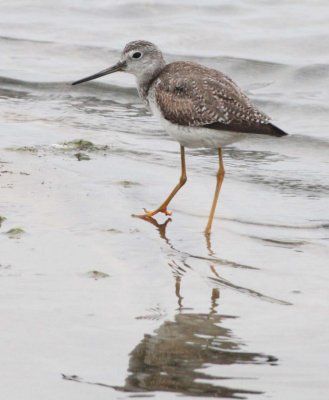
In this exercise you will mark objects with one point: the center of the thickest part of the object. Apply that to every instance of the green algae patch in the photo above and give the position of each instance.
(97, 275)
(83, 145)
(79, 144)
(2, 219)
(79, 148)
(15, 233)
(128, 184)
(25, 149)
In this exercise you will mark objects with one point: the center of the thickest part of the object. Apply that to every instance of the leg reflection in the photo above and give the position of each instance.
(160, 227)
(177, 292)
(214, 303)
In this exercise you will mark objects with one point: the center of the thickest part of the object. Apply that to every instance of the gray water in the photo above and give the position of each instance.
(167, 313)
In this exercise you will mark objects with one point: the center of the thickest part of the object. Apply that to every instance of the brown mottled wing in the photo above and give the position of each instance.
(189, 94)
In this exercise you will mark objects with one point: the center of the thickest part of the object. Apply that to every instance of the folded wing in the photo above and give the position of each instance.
(189, 94)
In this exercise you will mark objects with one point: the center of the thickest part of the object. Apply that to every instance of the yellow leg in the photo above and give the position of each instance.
(220, 177)
(163, 207)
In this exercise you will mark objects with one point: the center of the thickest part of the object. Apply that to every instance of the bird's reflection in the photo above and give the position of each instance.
(175, 357)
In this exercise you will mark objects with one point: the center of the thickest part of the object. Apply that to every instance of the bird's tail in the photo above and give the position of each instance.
(275, 131)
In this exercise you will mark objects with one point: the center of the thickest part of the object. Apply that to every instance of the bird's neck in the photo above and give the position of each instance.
(145, 80)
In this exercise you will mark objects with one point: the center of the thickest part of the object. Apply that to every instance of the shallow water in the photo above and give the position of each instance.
(167, 313)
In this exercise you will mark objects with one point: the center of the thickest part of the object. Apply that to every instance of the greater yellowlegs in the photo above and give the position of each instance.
(196, 105)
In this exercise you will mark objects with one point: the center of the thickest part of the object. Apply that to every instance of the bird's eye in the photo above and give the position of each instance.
(136, 55)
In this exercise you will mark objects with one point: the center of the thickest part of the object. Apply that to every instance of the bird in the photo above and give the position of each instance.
(198, 106)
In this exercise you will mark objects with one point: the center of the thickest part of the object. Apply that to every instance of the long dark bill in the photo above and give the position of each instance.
(117, 67)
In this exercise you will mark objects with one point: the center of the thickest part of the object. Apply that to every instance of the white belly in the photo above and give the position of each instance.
(190, 136)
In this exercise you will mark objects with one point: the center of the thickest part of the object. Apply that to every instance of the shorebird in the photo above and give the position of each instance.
(196, 105)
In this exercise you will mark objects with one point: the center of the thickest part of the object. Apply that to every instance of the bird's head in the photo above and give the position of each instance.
(139, 58)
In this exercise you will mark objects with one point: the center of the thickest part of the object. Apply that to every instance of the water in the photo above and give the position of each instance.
(244, 316)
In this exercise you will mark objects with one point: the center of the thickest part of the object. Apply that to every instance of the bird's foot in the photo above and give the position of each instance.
(149, 214)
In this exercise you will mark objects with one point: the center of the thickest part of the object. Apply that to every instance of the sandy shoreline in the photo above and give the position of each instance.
(76, 217)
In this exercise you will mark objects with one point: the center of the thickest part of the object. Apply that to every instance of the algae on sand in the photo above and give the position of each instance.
(78, 146)
(25, 149)
(2, 219)
(84, 145)
(113, 230)
(97, 274)
(81, 156)
(15, 232)
(128, 184)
